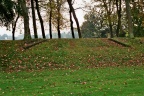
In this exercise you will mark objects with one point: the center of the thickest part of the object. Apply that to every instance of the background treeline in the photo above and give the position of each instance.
(104, 18)
(114, 18)
(51, 11)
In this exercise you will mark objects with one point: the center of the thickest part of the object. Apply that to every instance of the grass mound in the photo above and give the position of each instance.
(68, 53)
(65, 67)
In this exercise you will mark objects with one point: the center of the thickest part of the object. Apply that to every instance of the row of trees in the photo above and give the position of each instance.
(21, 8)
(117, 17)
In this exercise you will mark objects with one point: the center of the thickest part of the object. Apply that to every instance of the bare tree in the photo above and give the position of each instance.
(75, 17)
(40, 19)
(34, 19)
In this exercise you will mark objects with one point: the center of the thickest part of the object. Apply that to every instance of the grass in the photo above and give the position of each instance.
(67, 67)
(123, 81)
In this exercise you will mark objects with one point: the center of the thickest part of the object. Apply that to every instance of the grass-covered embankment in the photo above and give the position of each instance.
(72, 67)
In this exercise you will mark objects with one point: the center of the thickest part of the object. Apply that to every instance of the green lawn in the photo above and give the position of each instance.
(67, 67)
(122, 81)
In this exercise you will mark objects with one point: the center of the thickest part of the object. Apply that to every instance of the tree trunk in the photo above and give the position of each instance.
(130, 24)
(58, 28)
(77, 23)
(27, 35)
(50, 19)
(75, 17)
(71, 21)
(109, 18)
(34, 19)
(110, 25)
(40, 18)
(118, 5)
(58, 19)
(14, 27)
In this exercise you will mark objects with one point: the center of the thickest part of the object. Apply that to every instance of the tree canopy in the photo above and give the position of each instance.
(6, 12)
(117, 17)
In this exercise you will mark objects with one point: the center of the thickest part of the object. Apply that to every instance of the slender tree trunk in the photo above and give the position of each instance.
(40, 18)
(58, 28)
(34, 19)
(118, 5)
(109, 18)
(77, 23)
(71, 21)
(50, 19)
(130, 24)
(58, 19)
(110, 25)
(27, 34)
(14, 27)
(75, 17)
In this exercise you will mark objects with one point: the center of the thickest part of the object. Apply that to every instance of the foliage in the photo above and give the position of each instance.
(95, 24)
(54, 7)
(88, 29)
(6, 12)
(138, 19)
(113, 16)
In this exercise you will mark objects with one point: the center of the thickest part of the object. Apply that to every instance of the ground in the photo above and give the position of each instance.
(77, 67)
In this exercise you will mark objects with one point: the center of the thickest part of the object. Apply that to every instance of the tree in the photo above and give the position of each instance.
(72, 10)
(34, 19)
(71, 24)
(6, 12)
(108, 8)
(108, 5)
(14, 26)
(18, 13)
(119, 9)
(50, 18)
(40, 19)
(130, 24)
(27, 34)
(58, 2)
(54, 13)
(137, 16)
(94, 24)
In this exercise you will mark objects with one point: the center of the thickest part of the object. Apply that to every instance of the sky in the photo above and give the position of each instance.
(79, 12)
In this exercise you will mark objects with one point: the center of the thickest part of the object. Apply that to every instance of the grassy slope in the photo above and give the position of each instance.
(72, 67)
